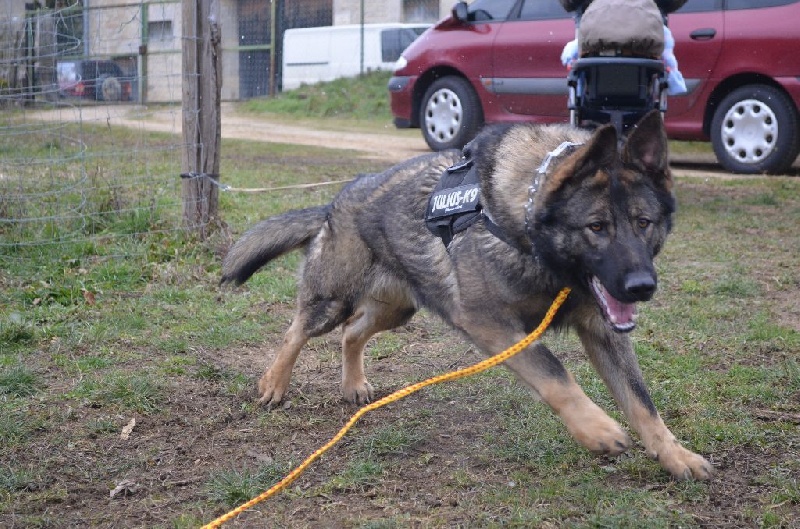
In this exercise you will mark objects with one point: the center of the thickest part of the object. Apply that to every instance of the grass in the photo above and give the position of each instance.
(14, 428)
(120, 390)
(234, 487)
(365, 99)
(158, 341)
(17, 381)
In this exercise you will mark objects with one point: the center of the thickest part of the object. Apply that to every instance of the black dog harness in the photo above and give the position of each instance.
(455, 204)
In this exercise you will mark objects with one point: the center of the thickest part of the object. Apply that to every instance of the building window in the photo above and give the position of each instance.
(159, 30)
(420, 11)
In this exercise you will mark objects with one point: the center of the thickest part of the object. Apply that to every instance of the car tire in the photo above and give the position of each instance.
(110, 89)
(450, 114)
(755, 130)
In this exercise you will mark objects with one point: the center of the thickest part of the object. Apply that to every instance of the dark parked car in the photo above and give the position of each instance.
(99, 80)
(499, 61)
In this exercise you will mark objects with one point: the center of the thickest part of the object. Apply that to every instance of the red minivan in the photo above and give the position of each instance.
(498, 61)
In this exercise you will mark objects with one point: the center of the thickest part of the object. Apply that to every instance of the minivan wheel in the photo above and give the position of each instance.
(755, 130)
(450, 114)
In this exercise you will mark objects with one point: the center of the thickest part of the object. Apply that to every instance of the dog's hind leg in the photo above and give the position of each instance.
(613, 356)
(370, 317)
(312, 319)
(275, 381)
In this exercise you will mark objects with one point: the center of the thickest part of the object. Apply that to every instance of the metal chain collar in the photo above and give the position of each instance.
(541, 175)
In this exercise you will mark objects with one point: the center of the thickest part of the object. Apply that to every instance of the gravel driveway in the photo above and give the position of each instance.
(388, 144)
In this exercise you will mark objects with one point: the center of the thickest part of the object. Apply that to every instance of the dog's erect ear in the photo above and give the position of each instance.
(601, 148)
(600, 151)
(647, 147)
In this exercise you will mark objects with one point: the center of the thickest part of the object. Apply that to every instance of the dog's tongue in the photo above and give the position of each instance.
(621, 316)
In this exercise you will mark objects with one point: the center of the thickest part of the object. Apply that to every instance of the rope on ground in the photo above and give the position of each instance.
(397, 395)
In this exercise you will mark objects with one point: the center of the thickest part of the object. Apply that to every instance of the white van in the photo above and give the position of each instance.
(311, 55)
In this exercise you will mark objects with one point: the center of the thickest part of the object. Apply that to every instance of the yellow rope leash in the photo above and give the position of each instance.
(397, 395)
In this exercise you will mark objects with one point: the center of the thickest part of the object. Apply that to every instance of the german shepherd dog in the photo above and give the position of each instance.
(592, 218)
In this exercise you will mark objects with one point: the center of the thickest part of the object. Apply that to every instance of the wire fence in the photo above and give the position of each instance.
(67, 176)
(78, 83)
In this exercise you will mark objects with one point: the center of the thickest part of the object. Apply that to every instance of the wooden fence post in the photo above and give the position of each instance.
(202, 84)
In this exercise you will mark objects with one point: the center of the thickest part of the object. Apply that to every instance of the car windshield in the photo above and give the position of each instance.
(485, 10)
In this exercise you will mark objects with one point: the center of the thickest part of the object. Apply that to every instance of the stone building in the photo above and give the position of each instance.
(145, 39)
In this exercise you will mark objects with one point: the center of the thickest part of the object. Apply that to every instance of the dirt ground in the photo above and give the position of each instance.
(390, 146)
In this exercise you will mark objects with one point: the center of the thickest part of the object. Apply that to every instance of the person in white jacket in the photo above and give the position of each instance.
(676, 84)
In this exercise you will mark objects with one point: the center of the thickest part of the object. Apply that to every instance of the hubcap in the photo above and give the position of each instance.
(749, 131)
(443, 115)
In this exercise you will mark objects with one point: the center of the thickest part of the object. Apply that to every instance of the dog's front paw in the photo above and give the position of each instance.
(598, 432)
(272, 389)
(359, 392)
(605, 438)
(683, 464)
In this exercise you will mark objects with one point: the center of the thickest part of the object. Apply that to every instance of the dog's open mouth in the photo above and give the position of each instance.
(621, 316)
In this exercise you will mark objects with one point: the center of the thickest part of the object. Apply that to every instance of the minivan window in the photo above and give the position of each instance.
(699, 6)
(756, 4)
(540, 10)
(489, 10)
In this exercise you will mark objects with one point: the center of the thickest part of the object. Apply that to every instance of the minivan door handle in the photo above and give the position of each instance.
(703, 34)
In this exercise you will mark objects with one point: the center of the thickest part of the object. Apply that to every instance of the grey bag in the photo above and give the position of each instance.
(635, 27)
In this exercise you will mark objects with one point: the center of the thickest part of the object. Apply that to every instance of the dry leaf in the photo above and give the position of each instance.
(125, 487)
(126, 431)
(89, 297)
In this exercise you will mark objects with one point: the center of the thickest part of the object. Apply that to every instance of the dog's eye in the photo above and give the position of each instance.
(643, 223)
(596, 227)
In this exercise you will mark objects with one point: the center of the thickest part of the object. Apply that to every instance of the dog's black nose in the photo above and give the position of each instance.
(640, 285)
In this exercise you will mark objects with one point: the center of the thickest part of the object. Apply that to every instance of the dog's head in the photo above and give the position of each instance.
(602, 214)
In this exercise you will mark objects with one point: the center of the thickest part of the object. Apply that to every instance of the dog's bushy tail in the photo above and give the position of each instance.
(269, 239)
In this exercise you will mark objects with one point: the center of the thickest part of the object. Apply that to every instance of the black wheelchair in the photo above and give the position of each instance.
(615, 90)
(613, 85)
